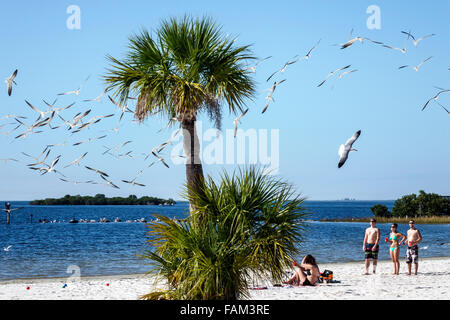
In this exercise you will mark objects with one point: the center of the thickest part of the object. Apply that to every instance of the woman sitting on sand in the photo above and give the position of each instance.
(305, 274)
(394, 250)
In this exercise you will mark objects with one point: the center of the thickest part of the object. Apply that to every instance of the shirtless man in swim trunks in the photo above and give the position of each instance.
(370, 245)
(412, 254)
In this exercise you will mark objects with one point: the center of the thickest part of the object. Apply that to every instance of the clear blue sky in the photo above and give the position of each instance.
(401, 149)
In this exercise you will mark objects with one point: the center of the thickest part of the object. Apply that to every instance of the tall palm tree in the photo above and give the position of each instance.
(186, 67)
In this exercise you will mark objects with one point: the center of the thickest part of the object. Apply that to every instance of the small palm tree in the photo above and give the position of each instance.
(248, 225)
(188, 66)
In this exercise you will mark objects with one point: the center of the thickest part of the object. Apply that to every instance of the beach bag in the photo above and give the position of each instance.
(326, 276)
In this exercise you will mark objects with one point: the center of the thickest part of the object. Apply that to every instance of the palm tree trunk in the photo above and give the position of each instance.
(191, 146)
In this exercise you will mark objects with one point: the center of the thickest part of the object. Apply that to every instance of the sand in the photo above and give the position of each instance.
(431, 283)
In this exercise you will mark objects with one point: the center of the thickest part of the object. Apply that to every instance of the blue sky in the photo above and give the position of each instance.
(400, 151)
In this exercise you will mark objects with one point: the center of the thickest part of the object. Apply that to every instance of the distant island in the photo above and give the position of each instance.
(100, 199)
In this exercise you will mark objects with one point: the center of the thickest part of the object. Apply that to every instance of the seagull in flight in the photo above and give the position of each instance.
(237, 121)
(109, 182)
(306, 57)
(51, 167)
(7, 248)
(9, 82)
(132, 182)
(57, 110)
(121, 107)
(284, 67)
(416, 68)
(76, 161)
(97, 171)
(271, 91)
(345, 149)
(416, 41)
(434, 98)
(99, 98)
(352, 41)
(76, 92)
(42, 114)
(332, 73)
(160, 159)
(253, 68)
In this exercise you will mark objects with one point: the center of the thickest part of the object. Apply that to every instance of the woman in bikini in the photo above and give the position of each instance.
(305, 274)
(394, 250)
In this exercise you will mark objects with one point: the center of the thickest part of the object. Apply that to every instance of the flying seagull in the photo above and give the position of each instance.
(99, 98)
(306, 57)
(332, 73)
(7, 248)
(271, 91)
(345, 149)
(76, 92)
(97, 171)
(42, 114)
(416, 41)
(76, 161)
(434, 98)
(351, 41)
(253, 68)
(284, 67)
(121, 107)
(132, 182)
(109, 182)
(416, 68)
(9, 81)
(237, 121)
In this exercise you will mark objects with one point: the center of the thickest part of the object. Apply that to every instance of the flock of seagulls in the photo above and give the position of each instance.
(72, 126)
(339, 73)
(78, 123)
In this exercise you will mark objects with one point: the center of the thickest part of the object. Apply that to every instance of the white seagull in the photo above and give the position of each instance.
(237, 121)
(284, 67)
(416, 68)
(332, 73)
(271, 91)
(416, 41)
(253, 68)
(7, 248)
(434, 98)
(9, 82)
(345, 149)
(76, 92)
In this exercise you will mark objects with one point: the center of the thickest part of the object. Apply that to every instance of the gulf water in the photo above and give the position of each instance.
(114, 248)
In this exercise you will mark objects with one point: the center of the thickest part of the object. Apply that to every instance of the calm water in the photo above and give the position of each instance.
(48, 250)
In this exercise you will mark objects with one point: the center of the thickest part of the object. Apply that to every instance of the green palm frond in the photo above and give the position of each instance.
(184, 67)
(248, 224)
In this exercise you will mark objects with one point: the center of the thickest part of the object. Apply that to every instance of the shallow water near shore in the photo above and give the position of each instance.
(96, 249)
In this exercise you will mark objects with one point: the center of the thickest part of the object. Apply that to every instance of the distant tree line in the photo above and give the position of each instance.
(412, 205)
(100, 199)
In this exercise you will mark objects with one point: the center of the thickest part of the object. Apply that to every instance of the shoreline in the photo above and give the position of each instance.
(431, 283)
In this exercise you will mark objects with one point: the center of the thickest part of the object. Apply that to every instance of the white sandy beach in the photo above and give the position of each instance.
(432, 283)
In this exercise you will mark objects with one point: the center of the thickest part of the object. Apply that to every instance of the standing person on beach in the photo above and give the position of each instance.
(412, 254)
(370, 245)
(394, 250)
